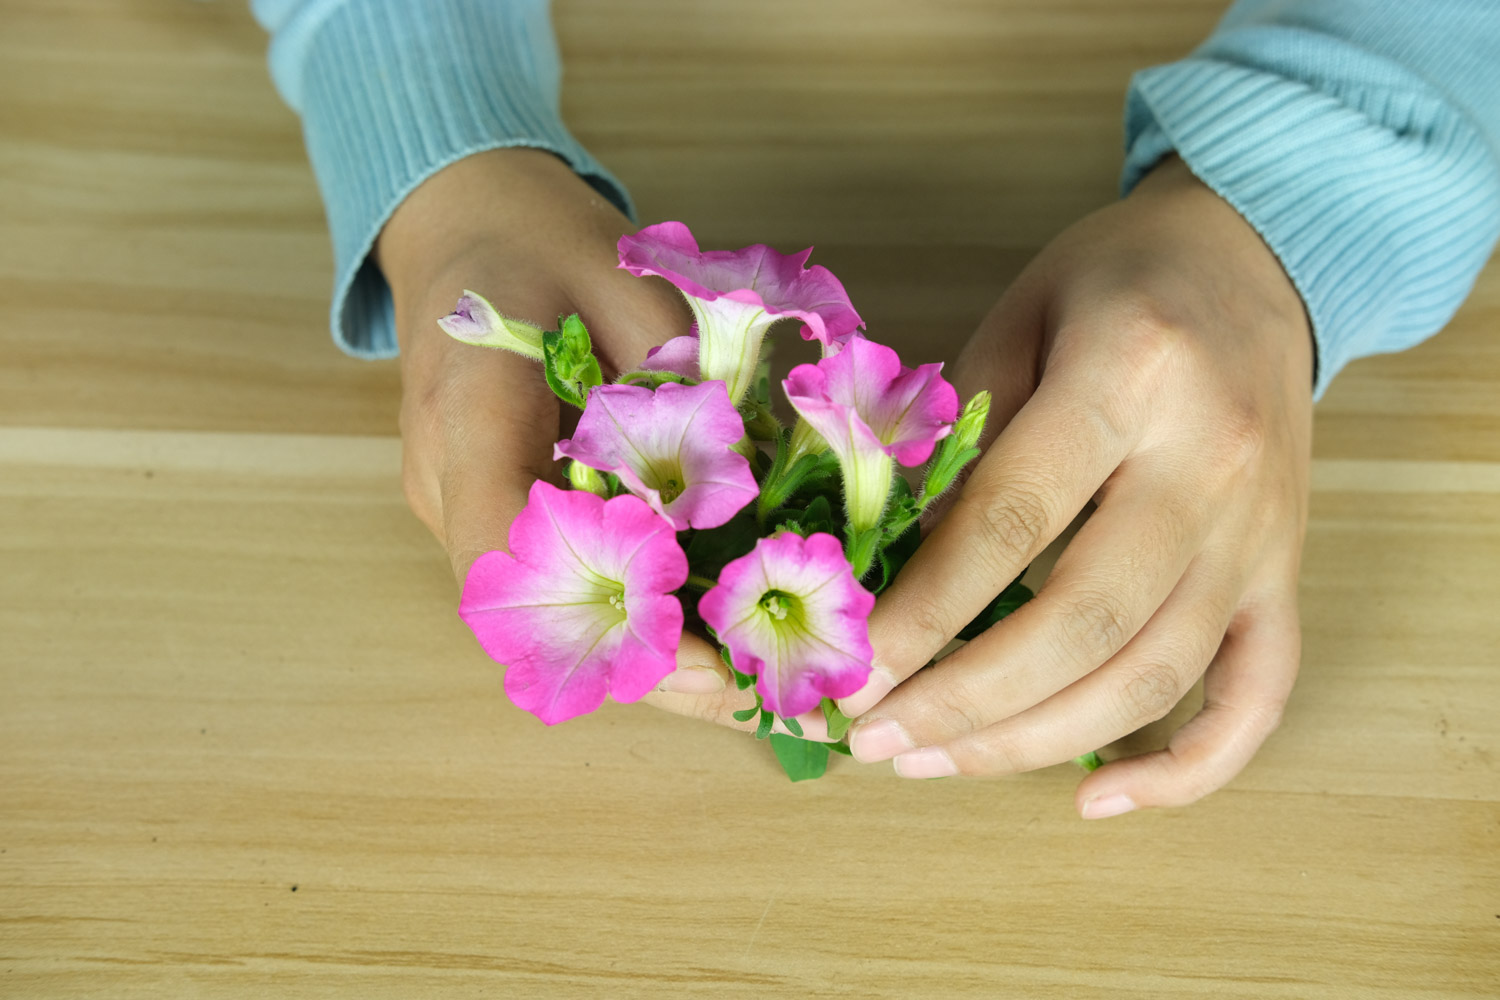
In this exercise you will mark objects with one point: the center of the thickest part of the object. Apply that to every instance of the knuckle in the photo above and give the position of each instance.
(1149, 693)
(1152, 343)
(955, 709)
(926, 621)
(1095, 624)
(1011, 525)
(999, 750)
(1242, 439)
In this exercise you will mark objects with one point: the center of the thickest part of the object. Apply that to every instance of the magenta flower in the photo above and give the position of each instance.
(670, 447)
(737, 294)
(871, 410)
(792, 613)
(582, 606)
(678, 356)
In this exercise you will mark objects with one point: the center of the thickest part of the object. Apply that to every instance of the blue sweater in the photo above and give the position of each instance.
(1361, 138)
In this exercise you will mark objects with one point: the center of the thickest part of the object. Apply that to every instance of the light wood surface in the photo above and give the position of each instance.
(246, 748)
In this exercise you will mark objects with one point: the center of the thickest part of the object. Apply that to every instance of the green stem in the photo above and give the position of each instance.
(701, 582)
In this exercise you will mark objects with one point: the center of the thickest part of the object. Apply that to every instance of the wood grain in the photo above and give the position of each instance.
(247, 749)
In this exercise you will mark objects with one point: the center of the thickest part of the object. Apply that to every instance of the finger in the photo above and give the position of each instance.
(1039, 473)
(1113, 577)
(1244, 694)
(1136, 687)
(1003, 358)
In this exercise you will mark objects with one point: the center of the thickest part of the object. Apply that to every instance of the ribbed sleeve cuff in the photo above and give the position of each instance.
(1381, 201)
(393, 91)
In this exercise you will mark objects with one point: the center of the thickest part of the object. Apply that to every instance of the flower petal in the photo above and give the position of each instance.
(583, 605)
(670, 446)
(792, 613)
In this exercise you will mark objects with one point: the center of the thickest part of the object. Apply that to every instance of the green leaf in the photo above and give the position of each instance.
(767, 720)
(570, 365)
(842, 748)
(802, 760)
(709, 550)
(838, 722)
(1008, 600)
(1090, 761)
(746, 714)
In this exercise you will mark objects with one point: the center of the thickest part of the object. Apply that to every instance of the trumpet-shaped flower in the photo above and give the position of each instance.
(582, 605)
(873, 412)
(670, 447)
(736, 295)
(792, 613)
(474, 321)
(678, 356)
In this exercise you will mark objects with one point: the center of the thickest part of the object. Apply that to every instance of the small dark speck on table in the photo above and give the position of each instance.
(294, 888)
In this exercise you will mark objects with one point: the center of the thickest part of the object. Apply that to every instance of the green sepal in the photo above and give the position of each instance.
(838, 722)
(569, 362)
(842, 748)
(815, 517)
(793, 726)
(746, 714)
(802, 760)
(1090, 761)
(1008, 600)
(860, 549)
(652, 380)
(958, 448)
(767, 720)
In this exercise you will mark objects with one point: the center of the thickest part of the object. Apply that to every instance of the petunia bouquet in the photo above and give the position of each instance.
(691, 506)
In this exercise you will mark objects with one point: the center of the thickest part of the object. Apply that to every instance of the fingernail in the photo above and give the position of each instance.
(879, 684)
(693, 680)
(928, 762)
(879, 740)
(1106, 806)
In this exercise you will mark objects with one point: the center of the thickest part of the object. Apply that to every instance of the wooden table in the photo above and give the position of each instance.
(247, 749)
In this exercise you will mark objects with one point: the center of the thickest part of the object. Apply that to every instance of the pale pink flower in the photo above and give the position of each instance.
(792, 613)
(670, 447)
(872, 411)
(582, 605)
(736, 295)
(474, 321)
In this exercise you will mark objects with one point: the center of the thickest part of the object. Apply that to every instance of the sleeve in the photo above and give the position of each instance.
(390, 92)
(1361, 139)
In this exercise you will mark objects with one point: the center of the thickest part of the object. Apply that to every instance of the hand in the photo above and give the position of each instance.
(1155, 358)
(478, 425)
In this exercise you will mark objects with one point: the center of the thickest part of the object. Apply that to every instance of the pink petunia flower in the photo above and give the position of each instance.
(792, 613)
(474, 321)
(737, 294)
(871, 410)
(670, 447)
(678, 356)
(582, 606)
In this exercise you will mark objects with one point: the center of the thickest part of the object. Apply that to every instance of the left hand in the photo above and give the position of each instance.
(1157, 359)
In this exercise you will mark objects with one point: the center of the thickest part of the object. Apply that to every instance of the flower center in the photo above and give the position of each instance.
(670, 490)
(778, 604)
(617, 601)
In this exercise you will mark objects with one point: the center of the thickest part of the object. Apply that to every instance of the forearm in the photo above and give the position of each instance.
(1361, 139)
(391, 92)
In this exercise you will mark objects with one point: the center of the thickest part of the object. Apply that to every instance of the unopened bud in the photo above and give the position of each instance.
(589, 480)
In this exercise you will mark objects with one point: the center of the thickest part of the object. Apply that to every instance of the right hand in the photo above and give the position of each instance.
(478, 425)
